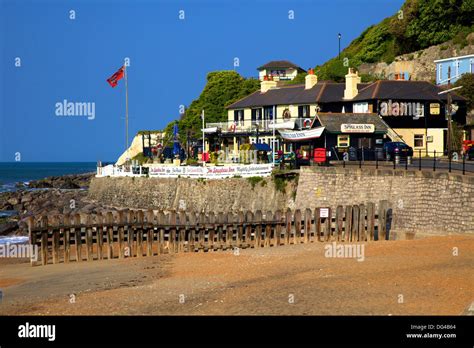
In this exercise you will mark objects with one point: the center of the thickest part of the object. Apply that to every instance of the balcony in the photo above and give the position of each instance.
(263, 125)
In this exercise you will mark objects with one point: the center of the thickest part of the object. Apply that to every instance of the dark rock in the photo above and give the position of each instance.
(8, 228)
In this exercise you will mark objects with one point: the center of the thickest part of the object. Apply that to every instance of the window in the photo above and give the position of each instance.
(256, 115)
(303, 111)
(343, 140)
(239, 116)
(361, 108)
(440, 73)
(418, 140)
(434, 108)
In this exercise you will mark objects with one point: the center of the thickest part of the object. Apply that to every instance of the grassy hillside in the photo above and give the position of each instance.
(418, 25)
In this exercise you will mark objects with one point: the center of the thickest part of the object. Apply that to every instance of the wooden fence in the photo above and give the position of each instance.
(138, 233)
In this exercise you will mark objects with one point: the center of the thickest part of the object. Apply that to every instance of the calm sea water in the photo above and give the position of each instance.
(13, 172)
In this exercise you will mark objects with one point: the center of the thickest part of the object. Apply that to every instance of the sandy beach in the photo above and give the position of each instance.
(418, 277)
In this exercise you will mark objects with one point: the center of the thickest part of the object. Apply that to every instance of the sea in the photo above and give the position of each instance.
(14, 172)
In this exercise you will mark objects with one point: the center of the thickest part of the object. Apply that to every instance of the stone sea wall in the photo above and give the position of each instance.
(231, 194)
(422, 202)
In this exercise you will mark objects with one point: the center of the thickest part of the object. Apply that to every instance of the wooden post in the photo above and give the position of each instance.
(31, 226)
(102, 220)
(90, 256)
(348, 224)
(362, 235)
(182, 230)
(248, 228)
(297, 235)
(327, 229)
(288, 222)
(240, 229)
(53, 230)
(161, 218)
(78, 237)
(268, 228)
(192, 231)
(201, 231)
(44, 240)
(355, 223)
(126, 243)
(229, 217)
(317, 224)
(220, 229)
(370, 221)
(121, 223)
(307, 225)
(172, 232)
(258, 229)
(278, 227)
(382, 229)
(109, 219)
(140, 231)
(56, 238)
(131, 232)
(211, 218)
(339, 222)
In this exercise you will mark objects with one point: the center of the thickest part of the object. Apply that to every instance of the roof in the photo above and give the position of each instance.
(278, 64)
(403, 90)
(322, 92)
(332, 121)
(454, 58)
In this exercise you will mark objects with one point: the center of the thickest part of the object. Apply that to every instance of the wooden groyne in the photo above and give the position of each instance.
(138, 233)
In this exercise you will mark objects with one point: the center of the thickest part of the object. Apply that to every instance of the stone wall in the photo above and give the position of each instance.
(231, 194)
(423, 202)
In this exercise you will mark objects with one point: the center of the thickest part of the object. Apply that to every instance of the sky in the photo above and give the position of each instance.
(53, 51)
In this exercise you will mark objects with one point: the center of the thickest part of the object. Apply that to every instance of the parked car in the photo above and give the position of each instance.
(470, 154)
(394, 148)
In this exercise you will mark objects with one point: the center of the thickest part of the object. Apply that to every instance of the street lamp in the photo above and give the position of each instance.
(339, 37)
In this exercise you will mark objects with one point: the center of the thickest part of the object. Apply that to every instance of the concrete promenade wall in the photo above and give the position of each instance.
(423, 202)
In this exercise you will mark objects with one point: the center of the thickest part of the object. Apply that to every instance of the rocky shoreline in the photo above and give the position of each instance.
(51, 195)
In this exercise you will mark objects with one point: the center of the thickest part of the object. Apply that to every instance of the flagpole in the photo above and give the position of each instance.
(126, 111)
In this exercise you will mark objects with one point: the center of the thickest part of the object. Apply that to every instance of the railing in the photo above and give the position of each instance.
(252, 126)
(424, 160)
(138, 233)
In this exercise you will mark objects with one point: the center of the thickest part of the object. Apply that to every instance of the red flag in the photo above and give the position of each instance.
(113, 80)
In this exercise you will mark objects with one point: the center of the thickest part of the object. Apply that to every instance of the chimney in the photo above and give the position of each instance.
(352, 79)
(267, 84)
(310, 80)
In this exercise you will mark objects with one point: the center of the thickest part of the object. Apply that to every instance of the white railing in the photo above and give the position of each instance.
(171, 171)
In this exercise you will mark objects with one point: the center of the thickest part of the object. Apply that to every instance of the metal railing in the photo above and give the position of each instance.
(422, 160)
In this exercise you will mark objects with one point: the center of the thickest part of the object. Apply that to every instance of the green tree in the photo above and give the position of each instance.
(467, 90)
(222, 89)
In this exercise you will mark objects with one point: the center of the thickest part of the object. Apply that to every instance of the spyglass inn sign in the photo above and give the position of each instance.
(357, 128)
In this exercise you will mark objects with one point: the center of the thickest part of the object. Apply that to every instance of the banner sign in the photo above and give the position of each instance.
(357, 128)
(302, 135)
(211, 171)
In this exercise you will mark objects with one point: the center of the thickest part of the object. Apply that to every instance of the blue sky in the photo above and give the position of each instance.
(63, 58)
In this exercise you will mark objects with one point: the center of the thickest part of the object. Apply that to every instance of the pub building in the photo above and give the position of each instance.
(337, 116)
